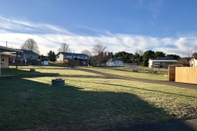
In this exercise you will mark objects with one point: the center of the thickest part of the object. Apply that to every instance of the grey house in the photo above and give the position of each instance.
(29, 57)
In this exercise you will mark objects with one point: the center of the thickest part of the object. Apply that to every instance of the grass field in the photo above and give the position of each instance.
(143, 72)
(90, 101)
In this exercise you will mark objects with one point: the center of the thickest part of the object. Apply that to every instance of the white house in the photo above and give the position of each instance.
(114, 62)
(161, 62)
(193, 62)
(83, 59)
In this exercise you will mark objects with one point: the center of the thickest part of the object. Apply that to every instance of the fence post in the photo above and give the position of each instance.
(171, 73)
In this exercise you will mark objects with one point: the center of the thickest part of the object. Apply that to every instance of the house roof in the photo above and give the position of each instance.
(163, 59)
(8, 54)
(7, 49)
(29, 52)
(72, 54)
(192, 59)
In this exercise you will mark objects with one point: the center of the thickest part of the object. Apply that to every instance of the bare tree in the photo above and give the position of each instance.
(140, 52)
(191, 51)
(194, 55)
(87, 52)
(64, 48)
(98, 49)
(30, 44)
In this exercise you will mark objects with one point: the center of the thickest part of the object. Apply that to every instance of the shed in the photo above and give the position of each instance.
(45, 61)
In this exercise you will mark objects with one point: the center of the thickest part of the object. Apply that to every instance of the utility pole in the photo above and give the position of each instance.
(6, 44)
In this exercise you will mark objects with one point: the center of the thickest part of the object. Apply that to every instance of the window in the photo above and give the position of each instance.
(156, 64)
(69, 57)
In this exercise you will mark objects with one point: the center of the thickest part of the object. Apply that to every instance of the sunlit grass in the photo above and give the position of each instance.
(128, 71)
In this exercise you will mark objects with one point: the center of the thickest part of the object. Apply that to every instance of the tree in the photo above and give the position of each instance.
(30, 44)
(194, 55)
(99, 51)
(64, 48)
(159, 54)
(87, 52)
(191, 52)
(173, 56)
(98, 48)
(136, 58)
(147, 55)
(140, 52)
(95, 60)
(124, 56)
(52, 56)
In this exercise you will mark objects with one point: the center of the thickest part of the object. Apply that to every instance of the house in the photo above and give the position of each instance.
(4, 59)
(114, 62)
(193, 62)
(161, 62)
(72, 58)
(28, 57)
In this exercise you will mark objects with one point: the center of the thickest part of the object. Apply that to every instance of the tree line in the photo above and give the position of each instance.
(99, 54)
(140, 57)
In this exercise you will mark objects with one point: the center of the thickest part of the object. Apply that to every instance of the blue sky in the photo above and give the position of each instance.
(121, 25)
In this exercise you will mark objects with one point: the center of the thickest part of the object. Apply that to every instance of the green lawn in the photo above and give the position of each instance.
(88, 102)
(143, 72)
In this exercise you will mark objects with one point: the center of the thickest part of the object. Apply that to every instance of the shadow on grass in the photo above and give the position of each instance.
(30, 105)
(24, 73)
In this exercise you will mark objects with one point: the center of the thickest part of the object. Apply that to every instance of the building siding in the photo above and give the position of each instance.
(4, 61)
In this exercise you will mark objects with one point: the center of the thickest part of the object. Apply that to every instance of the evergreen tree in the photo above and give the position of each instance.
(147, 55)
(52, 55)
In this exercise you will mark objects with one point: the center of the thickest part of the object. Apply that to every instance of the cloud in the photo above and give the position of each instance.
(25, 26)
(49, 37)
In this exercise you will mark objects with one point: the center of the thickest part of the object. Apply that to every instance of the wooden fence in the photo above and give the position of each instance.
(171, 73)
(183, 74)
(186, 75)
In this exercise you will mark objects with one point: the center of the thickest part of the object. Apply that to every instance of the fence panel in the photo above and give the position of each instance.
(186, 75)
